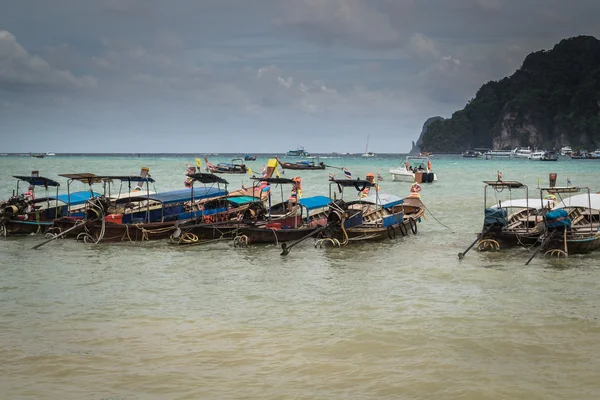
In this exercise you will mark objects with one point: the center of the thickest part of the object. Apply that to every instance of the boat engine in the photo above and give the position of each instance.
(14, 206)
(97, 207)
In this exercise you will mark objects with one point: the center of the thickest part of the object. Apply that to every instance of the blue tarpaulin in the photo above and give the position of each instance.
(495, 216)
(178, 196)
(558, 218)
(241, 200)
(76, 198)
(314, 202)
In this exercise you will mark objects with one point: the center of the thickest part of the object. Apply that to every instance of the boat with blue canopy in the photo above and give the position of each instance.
(373, 216)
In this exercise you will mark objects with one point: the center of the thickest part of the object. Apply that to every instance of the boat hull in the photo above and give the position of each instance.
(23, 227)
(575, 243)
(269, 235)
(364, 233)
(131, 232)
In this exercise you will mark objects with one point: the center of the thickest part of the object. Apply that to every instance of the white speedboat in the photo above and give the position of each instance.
(415, 169)
(499, 154)
(566, 151)
(522, 152)
(537, 155)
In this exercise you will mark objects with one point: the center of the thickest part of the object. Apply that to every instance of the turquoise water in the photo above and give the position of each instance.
(396, 319)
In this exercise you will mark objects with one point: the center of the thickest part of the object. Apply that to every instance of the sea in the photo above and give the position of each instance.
(397, 319)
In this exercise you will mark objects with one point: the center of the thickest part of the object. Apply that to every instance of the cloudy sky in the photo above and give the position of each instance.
(256, 75)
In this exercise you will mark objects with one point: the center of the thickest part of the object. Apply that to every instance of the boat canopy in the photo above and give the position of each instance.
(524, 203)
(37, 180)
(383, 199)
(208, 178)
(126, 178)
(77, 198)
(241, 200)
(505, 184)
(312, 203)
(359, 184)
(84, 177)
(275, 180)
(563, 189)
(581, 200)
(177, 196)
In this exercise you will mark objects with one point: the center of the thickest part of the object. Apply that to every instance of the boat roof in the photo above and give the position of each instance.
(177, 196)
(352, 182)
(532, 203)
(207, 178)
(77, 198)
(563, 189)
(275, 180)
(581, 200)
(241, 200)
(37, 180)
(314, 202)
(132, 178)
(505, 184)
(84, 177)
(383, 199)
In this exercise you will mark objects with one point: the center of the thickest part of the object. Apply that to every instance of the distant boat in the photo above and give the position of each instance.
(499, 154)
(566, 151)
(50, 154)
(522, 152)
(549, 156)
(471, 154)
(41, 155)
(249, 157)
(367, 152)
(299, 152)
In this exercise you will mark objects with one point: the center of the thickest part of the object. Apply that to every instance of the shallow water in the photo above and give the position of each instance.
(395, 319)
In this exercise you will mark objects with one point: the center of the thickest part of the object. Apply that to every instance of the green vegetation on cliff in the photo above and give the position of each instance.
(551, 101)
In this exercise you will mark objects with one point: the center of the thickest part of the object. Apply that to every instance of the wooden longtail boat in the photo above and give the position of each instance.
(226, 168)
(301, 165)
(572, 227)
(24, 214)
(146, 217)
(512, 222)
(374, 217)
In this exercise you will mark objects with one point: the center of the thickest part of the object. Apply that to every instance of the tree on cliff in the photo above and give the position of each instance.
(552, 100)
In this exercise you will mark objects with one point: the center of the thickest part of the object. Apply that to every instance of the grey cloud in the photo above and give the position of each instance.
(22, 71)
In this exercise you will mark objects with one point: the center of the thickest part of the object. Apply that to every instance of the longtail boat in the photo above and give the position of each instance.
(23, 213)
(572, 226)
(142, 217)
(288, 220)
(227, 168)
(376, 216)
(511, 222)
(301, 165)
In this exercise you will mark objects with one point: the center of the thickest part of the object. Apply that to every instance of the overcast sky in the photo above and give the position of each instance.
(257, 75)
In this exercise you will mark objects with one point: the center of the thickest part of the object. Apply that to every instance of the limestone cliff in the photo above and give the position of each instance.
(416, 147)
(551, 101)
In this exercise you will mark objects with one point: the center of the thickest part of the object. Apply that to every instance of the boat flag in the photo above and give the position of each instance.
(379, 177)
(568, 181)
(199, 163)
(264, 171)
(331, 177)
(347, 173)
